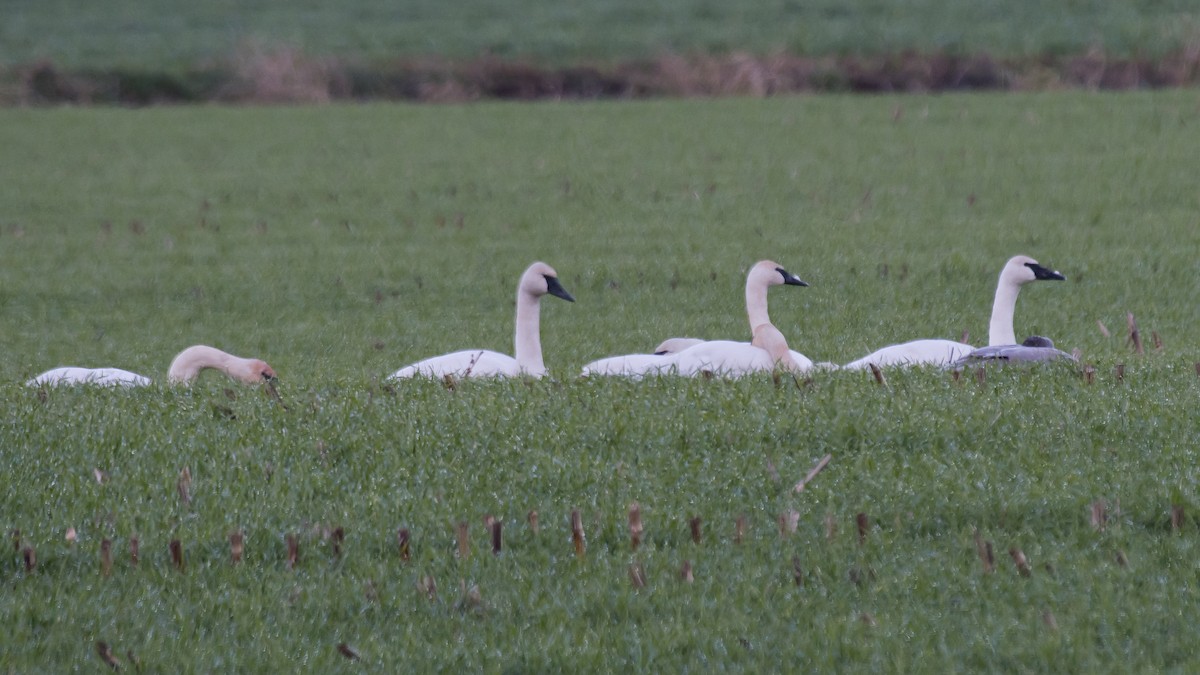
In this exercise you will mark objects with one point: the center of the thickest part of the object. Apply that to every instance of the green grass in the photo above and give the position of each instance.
(340, 243)
(154, 34)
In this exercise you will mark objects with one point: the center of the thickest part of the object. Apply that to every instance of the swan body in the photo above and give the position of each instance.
(764, 353)
(1034, 349)
(184, 368)
(721, 356)
(100, 377)
(538, 279)
(1018, 271)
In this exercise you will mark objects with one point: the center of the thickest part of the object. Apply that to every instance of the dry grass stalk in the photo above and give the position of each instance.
(184, 485)
(348, 651)
(402, 541)
(694, 524)
(980, 375)
(106, 655)
(864, 526)
(812, 473)
(879, 378)
(464, 541)
(235, 546)
(788, 522)
(1103, 328)
(965, 338)
(1089, 373)
(984, 549)
(1022, 563)
(30, 557)
(428, 586)
(293, 550)
(1198, 369)
(739, 529)
(1119, 371)
(868, 619)
(497, 527)
(1176, 517)
(1156, 341)
(106, 557)
(1135, 336)
(1122, 561)
(635, 525)
(533, 521)
(71, 536)
(16, 540)
(176, 554)
(685, 572)
(133, 550)
(577, 533)
(1049, 620)
(956, 376)
(1099, 512)
(339, 536)
(830, 526)
(637, 575)
(797, 571)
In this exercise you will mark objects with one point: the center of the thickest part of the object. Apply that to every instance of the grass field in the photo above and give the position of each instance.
(340, 243)
(151, 34)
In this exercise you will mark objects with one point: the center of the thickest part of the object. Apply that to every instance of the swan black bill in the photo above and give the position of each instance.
(1044, 273)
(790, 279)
(554, 288)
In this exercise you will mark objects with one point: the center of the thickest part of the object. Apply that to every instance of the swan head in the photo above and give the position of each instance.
(540, 279)
(773, 274)
(1038, 341)
(675, 345)
(1022, 269)
(252, 371)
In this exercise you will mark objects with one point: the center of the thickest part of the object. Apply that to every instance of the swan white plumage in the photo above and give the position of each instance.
(538, 279)
(762, 275)
(767, 351)
(184, 368)
(1018, 271)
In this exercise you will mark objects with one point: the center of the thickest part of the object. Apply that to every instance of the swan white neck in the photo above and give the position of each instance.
(188, 364)
(1000, 330)
(756, 299)
(527, 347)
(768, 337)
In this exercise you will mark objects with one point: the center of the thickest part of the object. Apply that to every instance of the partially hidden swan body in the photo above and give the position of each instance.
(1018, 271)
(1033, 349)
(690, 356)
(766, 352)
(538, 280)
(186, 366)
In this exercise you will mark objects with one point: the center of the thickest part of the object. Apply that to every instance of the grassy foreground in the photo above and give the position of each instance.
(340, 243)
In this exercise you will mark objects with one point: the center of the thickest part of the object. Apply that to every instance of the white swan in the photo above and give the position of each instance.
(762, 275)
(1018, 271)
(538, 280)
(768, 350)
(184, 368)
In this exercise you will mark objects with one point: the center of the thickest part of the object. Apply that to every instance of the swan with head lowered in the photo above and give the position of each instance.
(186, 366)
(1018, 271)
(669, 356)
(538, 280)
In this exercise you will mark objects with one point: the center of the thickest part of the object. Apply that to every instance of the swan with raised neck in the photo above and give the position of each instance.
(1017, 271)
(537, 280)
(668, 357)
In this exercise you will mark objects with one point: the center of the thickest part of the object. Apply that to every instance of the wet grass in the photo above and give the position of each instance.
(340, 243)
